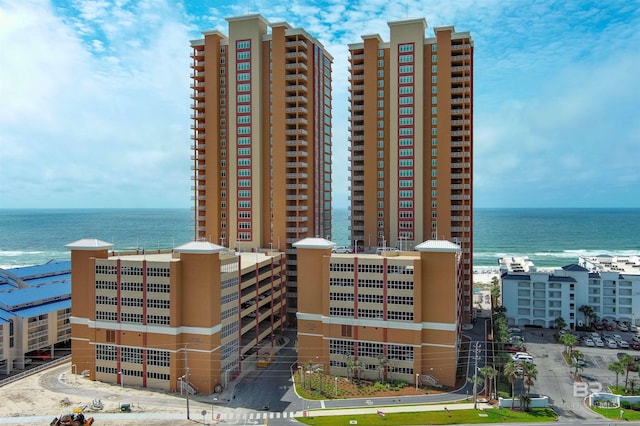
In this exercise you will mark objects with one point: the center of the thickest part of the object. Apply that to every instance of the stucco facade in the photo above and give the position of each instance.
(156, 319)
(399, 309)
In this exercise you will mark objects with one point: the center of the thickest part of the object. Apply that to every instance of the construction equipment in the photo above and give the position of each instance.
(77, 419)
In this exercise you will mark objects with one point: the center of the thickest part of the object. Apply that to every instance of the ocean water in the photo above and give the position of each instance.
(550, 237)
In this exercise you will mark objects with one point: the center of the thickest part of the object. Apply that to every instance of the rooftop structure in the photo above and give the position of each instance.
(605, 262)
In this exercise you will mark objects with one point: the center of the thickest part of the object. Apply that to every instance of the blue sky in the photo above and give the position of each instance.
(94, 96)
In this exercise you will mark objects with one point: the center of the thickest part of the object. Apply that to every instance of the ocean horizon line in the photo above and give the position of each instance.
(334, 209)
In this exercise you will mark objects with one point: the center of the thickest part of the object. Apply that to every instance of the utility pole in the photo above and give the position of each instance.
(186, 378)
(476, 356)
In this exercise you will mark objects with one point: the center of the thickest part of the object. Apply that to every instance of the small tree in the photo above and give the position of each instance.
(577, 357)
(495, 292)
(350, 363)
(511, 373)
(525, 402)
(587, 312)
(560, 323)
(618, 368)
(628, 362)
(530, 374)
(569, 341)
(383, 363)
(489, 374)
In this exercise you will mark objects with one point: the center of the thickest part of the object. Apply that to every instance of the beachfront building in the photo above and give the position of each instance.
(393, 315)
(608, 284)
(180, 319)
(35, 313)
(411, 141)
(261, 138)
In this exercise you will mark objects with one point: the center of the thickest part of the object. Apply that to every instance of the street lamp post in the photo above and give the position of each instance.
(74, 371)
(417, 379)
(301, 376)
(335, 381)
(121, 374)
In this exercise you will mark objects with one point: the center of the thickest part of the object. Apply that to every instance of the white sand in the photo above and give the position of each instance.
(30, 397)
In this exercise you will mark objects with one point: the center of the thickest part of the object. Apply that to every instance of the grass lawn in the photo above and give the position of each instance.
(437, 418)
(614, 413)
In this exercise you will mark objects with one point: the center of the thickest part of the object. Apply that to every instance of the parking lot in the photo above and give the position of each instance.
(555, 377)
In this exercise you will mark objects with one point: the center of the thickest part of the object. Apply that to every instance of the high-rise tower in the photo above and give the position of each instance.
(411, 105)
(261, 137)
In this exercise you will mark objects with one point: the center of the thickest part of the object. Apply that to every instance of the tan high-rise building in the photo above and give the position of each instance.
(412, 141)
(392, 316)
(261, 137)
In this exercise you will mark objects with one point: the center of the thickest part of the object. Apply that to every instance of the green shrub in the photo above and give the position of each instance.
(625, 404)
(635, 406)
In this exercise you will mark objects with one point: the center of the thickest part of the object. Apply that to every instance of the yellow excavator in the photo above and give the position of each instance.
(76, 419)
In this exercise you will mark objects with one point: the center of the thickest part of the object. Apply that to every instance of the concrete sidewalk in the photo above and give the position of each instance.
(396, 409)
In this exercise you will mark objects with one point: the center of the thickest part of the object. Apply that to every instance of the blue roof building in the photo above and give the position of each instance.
(35, 311)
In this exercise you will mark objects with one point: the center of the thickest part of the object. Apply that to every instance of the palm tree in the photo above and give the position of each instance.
(569, 341)
(495, 292)
(560, 323)
(530, 374)
(618, 368)
(511, 373)
(587, 311)
(525, 402)
(489, 374)
(632, 383)
(628, 362)
(577, 356)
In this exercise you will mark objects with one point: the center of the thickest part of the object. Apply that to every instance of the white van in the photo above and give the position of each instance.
(522, 357)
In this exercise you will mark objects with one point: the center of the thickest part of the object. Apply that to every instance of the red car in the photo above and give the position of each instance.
(516, 348)
(635, 346)
(41, 354)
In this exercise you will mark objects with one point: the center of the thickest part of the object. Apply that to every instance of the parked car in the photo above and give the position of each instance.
(381, 250)
(342, 249)
(612, 344)
(516, 339)
(514, 330)
(41, 355)
(623, 344)
(635, 345)
(622, 327)
(589, 342)
(516, 348)
(609, 327)
(599, 343)
(522, 357)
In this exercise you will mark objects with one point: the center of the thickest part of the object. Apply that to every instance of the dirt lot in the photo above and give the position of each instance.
(53, 392)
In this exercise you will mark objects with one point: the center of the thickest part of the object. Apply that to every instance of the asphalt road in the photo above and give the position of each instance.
(269, 392)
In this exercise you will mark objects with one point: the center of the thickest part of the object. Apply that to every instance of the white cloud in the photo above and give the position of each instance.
(95, 95)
